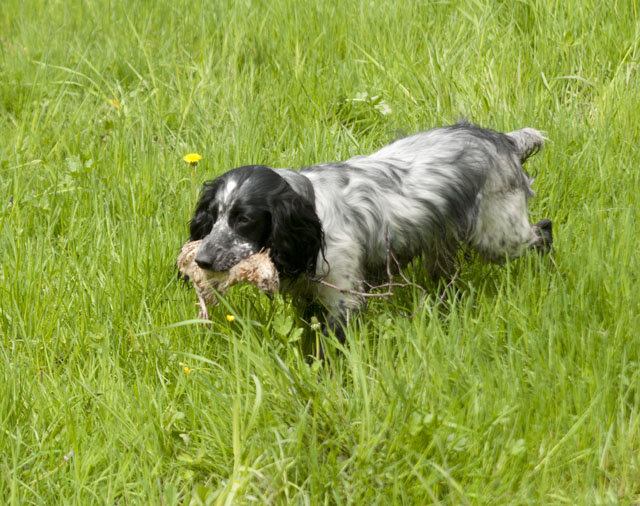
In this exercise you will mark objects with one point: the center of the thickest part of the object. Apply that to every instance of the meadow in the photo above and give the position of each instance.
(518, 384)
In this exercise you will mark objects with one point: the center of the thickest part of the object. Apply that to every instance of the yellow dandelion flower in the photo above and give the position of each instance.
(187, 371)
(115, 103)
(230, 317)
(192, 158)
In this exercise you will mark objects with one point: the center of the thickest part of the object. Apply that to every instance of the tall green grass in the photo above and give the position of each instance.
(521, 387)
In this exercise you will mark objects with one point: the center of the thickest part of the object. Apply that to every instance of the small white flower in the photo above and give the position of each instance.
(362, 96)
(383, 108)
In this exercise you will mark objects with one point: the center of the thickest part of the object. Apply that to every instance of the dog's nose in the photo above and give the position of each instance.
(204, 263)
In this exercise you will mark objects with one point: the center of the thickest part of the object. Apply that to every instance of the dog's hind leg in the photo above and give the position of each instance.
(502, 228)
(528, 141)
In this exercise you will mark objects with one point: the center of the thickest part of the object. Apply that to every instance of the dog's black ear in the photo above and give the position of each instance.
(296, 234)
(205, 214)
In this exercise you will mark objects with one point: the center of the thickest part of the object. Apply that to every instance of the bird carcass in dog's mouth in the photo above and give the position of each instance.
(257, 269)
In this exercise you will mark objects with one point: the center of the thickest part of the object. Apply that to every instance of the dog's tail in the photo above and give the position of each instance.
(528, 142)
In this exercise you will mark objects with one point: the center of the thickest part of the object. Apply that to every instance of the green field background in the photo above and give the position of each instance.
(522, 386)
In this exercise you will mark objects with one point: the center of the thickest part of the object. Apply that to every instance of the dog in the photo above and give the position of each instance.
(427, 194)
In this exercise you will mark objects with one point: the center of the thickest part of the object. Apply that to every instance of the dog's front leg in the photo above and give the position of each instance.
(341, 293)
(341, 304)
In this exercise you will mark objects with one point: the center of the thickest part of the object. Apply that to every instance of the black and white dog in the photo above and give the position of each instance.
(426, 194)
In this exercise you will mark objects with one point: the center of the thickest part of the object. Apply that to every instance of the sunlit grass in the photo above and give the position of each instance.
(521, 387)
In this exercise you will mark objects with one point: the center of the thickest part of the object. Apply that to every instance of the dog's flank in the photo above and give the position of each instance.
(433, 191)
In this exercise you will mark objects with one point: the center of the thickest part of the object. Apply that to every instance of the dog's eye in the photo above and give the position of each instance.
(243, 219)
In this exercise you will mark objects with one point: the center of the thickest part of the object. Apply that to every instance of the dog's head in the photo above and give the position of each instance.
(251, 208)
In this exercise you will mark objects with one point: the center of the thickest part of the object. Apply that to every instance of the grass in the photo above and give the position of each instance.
(522, 389)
